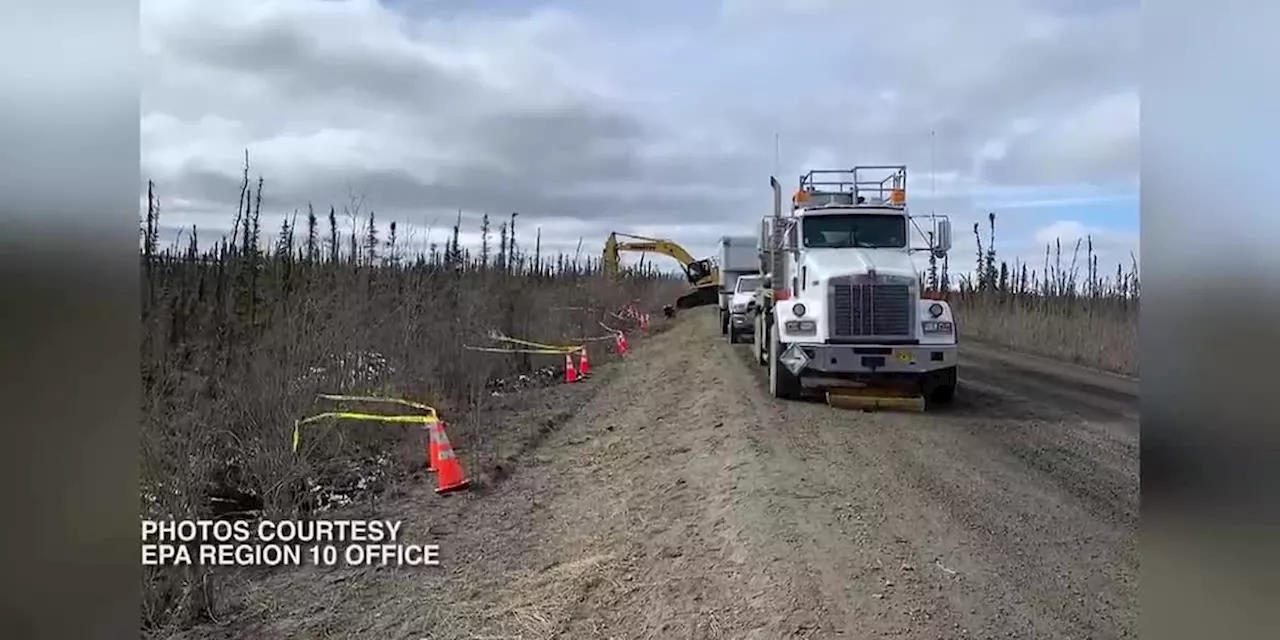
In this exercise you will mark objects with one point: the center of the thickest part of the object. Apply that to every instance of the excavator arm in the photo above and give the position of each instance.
(702, 274)
(698, 272)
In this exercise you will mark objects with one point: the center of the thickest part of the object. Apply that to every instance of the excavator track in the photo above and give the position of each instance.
(700, 297)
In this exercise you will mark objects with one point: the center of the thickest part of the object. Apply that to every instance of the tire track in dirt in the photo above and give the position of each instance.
(691, 554)
(1094, 457)
(681, 501)
(1039, 548)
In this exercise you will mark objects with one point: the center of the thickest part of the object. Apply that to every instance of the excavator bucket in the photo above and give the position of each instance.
(874, 399)
(699, 297)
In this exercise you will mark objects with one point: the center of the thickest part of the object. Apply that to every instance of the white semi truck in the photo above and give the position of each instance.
(841, 310)
(738, 257)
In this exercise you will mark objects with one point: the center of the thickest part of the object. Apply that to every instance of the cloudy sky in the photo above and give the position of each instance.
(655, 117)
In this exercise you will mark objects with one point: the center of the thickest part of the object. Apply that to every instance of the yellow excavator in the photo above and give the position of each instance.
(703, 274)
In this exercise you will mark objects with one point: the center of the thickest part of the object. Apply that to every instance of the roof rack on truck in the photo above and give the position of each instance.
(868, 185)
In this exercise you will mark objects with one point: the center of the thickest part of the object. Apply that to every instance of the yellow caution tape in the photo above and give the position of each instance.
(349, 415)
(402, 401)
(537, 347)
(546, 352)
(429, 418)
(562, 348)
(598, 338)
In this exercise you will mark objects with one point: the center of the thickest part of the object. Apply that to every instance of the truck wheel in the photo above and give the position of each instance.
(940, 386)
(782, 384)
(759, 344)
(724, 323)
(766, 331)
(734, 337)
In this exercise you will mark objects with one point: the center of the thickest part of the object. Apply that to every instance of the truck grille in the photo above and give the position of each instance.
(871, 310)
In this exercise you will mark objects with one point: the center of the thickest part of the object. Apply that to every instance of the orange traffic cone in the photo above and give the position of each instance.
(584, 366)
(449, 475)
(570, 374)
(433, 445)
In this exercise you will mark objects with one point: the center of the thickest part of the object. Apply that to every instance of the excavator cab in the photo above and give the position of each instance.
(699, 270)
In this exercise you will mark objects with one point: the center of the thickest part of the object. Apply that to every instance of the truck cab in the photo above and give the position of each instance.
(843, 304)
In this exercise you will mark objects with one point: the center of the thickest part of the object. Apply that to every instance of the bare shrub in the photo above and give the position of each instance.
(1069, 311)
(239, 339)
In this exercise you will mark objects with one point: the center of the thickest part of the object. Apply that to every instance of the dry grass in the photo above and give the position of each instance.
(1100, 333)
(535, 606)
(1065, 308)
(238, 341)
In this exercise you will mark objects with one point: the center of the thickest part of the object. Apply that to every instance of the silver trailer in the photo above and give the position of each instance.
(737, 258)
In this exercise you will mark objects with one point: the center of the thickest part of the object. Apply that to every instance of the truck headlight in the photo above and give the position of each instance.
(935, 310)
(798, 309)
(801, 326)
(933, 326)
(739, 307)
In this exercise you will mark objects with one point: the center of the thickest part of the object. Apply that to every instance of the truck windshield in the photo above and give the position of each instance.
(748, 285)
(863, 231)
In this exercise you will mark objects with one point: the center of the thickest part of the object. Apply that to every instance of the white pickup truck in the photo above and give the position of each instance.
(741, 305)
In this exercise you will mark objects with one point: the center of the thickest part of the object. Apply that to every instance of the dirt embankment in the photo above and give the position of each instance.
(671, 497)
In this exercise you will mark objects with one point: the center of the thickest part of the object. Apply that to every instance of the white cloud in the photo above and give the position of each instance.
(1098, 141)
(590, 117)
(1076, 241)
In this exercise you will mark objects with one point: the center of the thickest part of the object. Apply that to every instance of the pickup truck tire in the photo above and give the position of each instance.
(724, 323)
(782, 384)
(735, 337)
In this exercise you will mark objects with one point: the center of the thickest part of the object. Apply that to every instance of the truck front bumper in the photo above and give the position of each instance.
(904, 360)
(740, 321)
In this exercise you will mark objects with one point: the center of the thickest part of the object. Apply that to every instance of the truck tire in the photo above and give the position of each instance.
(724, 323)
(940, 386)
(758, 342)
(782, 384)
(735, 337)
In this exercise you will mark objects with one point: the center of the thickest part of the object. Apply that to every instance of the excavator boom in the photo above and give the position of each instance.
(702, 274)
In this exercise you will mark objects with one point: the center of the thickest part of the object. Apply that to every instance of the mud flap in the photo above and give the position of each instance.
(866, 399)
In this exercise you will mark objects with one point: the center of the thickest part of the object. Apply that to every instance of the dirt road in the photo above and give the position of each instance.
(681, 501)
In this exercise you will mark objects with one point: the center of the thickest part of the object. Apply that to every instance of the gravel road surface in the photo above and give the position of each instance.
(671, 497)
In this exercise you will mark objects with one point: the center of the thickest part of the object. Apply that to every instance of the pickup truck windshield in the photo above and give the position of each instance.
(748, 285)
(862, 231)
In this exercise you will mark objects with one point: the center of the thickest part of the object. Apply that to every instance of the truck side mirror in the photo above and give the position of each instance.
(942, 238)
